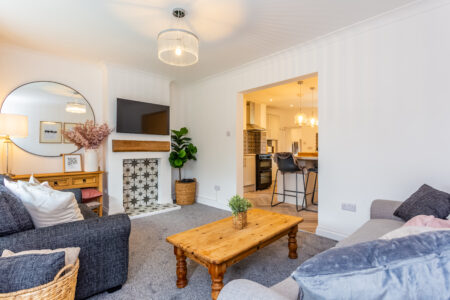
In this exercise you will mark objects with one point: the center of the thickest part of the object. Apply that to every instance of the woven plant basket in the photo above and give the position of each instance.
(185, 192)
(61, 288)
(240, 220)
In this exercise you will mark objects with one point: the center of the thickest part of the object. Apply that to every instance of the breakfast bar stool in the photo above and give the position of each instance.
(316, 172)
(286, 164)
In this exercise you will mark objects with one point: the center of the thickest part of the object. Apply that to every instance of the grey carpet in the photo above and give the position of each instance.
(152, 262)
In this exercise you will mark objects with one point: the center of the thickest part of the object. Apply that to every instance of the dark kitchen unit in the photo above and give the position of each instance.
(263, 171)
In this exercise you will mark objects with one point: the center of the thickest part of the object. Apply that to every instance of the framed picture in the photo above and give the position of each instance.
(68, 127)
(72, 163)
(50, 132)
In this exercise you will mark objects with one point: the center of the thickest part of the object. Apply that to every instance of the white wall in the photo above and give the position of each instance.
(19, 66)
(120, 82)
(383, 113)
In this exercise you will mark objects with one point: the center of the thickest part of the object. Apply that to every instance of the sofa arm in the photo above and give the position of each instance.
(384, 209)
(103, 243)
(244, 289)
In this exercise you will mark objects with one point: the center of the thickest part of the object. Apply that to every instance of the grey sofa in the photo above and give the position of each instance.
(381, 222)
(103, 242)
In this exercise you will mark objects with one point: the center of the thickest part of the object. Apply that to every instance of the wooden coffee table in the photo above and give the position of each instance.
(218, 245)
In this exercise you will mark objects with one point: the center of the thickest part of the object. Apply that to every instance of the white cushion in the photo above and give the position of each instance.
(46, 206)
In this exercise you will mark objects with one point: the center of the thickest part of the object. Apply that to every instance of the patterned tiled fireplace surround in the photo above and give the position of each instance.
(140, 187)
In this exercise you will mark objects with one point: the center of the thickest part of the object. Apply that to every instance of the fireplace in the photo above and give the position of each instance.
(140, 187)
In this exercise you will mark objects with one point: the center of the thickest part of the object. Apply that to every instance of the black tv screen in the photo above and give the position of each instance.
(142, 117)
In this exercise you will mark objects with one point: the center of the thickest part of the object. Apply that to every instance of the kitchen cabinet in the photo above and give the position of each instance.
(249, 169)
(273, 127)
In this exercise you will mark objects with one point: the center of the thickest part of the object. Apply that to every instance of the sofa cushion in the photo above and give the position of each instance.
(371, 230)
(425, 201)
(413, 267)
(46, 206)
(13, 215)
(71, 253)
(28, 271)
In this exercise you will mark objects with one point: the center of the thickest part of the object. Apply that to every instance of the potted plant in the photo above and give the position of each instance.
(90, 137)
(239, 207)
(183, 151)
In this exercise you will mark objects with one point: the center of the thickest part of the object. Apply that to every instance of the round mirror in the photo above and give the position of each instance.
(51, 108)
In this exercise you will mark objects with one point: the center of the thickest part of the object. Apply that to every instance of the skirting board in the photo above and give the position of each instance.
(337, 236)
(212, 202)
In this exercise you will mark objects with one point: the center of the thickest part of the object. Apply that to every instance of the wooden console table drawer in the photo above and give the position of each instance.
(76, 180)
(57, 182)
(84, 180)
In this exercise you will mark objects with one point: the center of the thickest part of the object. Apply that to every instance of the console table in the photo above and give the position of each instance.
(73, 180)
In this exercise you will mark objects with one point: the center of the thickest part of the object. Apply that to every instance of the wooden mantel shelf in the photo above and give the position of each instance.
(140, 146)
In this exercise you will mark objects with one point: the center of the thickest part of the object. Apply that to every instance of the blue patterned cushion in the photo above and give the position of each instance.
(13, 215)
(413, 267)
(30, 270)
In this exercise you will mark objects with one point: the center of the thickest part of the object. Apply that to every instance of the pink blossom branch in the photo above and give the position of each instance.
(88, 135)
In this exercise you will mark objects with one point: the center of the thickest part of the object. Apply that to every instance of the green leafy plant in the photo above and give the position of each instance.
(182, 150)
(239, 204)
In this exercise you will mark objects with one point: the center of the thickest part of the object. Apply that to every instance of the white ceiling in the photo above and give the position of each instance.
(287, 95)
(231, 32)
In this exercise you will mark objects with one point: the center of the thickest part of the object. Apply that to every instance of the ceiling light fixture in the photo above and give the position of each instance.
(313, 121)
(75, 108)
(300, 117)
(176, 46)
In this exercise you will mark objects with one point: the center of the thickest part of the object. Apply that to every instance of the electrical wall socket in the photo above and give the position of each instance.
(217, 188)
(349, 207)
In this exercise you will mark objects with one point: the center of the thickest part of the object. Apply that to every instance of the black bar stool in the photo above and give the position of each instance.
(286, 164)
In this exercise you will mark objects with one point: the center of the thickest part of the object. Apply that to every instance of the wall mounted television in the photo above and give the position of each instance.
(142, 117)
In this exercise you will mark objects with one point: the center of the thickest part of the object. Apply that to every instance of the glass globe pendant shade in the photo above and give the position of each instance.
(313, 122)
(300, 119)
(178, 47)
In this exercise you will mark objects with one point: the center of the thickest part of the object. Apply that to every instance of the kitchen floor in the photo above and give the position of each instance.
(261, 199)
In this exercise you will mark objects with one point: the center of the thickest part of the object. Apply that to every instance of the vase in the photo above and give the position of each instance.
(240, 220)
(90, 160)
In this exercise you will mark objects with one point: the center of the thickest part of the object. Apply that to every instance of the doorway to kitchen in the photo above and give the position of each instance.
(283, 118)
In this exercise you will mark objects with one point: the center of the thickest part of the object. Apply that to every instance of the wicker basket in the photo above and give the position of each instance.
(240, 220)
(61, 288)
(185, 192)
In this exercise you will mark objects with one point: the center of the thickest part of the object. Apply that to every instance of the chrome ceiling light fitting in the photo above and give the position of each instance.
(176, 46)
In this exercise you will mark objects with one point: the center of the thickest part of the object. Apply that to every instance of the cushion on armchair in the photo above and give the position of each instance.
(27, 271)
(425, 201)
(13, 215)
(413, 267)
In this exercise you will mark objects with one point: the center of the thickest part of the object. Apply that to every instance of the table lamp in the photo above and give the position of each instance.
(12, 126)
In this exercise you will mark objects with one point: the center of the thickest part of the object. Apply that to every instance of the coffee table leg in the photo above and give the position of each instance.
(181, 268)
(293, 242)
(216, 272)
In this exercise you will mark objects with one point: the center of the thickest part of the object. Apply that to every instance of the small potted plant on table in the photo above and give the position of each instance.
(183, 151)
(239, 207)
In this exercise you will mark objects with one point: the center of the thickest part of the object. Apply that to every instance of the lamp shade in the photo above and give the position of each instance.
(178, 47)
(13, 125)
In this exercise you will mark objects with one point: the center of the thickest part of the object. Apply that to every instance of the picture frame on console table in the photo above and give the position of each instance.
(72, 163)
